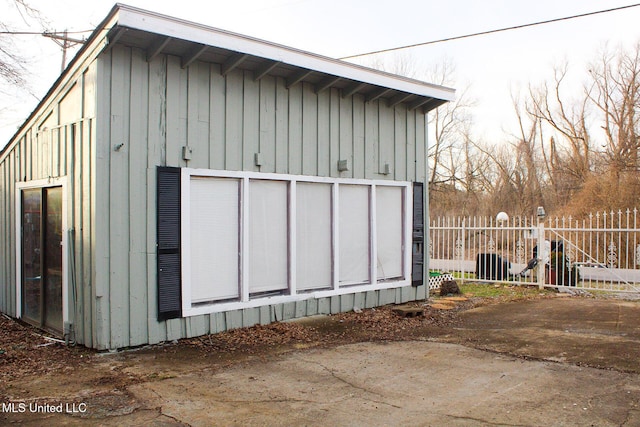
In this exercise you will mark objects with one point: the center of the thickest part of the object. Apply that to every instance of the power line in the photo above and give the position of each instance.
(61, 38)
(482, 33)
(65, 42)
(40, 33)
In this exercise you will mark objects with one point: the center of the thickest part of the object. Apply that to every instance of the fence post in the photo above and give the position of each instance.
(541, 249)
(463, 255)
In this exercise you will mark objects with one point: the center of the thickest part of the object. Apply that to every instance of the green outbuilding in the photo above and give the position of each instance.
(179, 180)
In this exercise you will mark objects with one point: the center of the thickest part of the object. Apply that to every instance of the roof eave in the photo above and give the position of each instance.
(143, 20)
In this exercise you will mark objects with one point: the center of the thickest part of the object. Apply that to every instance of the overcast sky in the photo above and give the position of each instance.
(494, 65)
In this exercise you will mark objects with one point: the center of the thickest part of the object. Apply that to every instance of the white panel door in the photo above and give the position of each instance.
(313, 236)
(214, 229)
(354, 236)
(389, 231)
(268, 236)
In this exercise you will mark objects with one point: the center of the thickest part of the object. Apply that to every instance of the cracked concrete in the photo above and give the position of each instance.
(419, 383)
(560, 361)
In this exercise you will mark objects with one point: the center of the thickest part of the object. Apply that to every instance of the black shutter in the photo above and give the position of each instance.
(168, 243)
(417, 261)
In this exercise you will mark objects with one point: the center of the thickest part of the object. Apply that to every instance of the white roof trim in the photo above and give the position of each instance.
(135, 18)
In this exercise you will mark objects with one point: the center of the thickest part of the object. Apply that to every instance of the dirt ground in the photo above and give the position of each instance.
(524, 357)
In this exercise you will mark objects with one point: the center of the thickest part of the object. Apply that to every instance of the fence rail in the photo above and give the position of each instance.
(599, 252)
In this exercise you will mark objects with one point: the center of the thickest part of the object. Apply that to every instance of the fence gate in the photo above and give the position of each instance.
(601, 252)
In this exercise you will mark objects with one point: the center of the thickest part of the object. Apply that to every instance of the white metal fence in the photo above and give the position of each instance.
(601, 252)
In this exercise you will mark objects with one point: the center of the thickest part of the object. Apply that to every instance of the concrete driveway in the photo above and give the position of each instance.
(405, 383)
(548, 362)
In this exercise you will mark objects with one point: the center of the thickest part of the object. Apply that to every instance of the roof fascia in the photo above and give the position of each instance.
(173, 27)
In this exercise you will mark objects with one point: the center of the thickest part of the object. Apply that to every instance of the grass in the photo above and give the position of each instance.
(500, 290)
(460, 275)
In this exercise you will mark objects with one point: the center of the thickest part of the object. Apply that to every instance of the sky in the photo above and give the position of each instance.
(493, 67)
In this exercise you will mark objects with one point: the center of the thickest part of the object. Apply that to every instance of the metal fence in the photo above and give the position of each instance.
(600, 252)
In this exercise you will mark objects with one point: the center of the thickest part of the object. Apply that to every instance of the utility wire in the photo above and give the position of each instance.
(482, 33)
(40, 33)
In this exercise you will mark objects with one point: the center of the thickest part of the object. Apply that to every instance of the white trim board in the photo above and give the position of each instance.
(244, 298)
(43, 183)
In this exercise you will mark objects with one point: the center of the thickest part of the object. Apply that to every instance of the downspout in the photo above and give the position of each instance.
(425, 216)
(70, 325)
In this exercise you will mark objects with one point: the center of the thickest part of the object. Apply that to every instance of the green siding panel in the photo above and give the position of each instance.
(323, 129)
(359, 142)
(156, 140)
(250, 317)
(310, 153)
(250, 123)
(324, 306)
(371, 299)
(335, 304)
(197, 326)
(126, 116)
(295, 130)
(217, 118)
(312, 307)
(100, 207)
(265, 315)
(217, 323)
(233, 319)
(138, 328)
(198, 115)
(359, 300)
(301, 309)
(282, 127)
(346, 131)
(119, 190)
(268, 120)
(346, 302)
(288, 310)
(386, 296)
(233, 121)
(277, 313)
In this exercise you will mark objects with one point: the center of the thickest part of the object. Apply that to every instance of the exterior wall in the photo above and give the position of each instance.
(56, 143)
(149, 111)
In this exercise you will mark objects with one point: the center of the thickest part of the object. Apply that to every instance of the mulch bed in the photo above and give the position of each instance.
(27, 351)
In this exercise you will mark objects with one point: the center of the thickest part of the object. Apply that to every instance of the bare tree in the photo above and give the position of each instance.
(568, 164)
(528, 176)
(616, 94)
(451, 124)
(456, 165)
(401, 64)
(13, 65)
(591, 156)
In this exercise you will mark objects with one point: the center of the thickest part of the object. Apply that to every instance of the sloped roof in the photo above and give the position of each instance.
(159, 34)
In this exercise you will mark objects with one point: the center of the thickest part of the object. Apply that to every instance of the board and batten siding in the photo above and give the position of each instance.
(148, 112)
(58, 141)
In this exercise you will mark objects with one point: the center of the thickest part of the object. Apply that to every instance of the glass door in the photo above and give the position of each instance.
(42, 257)
(32, 255)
